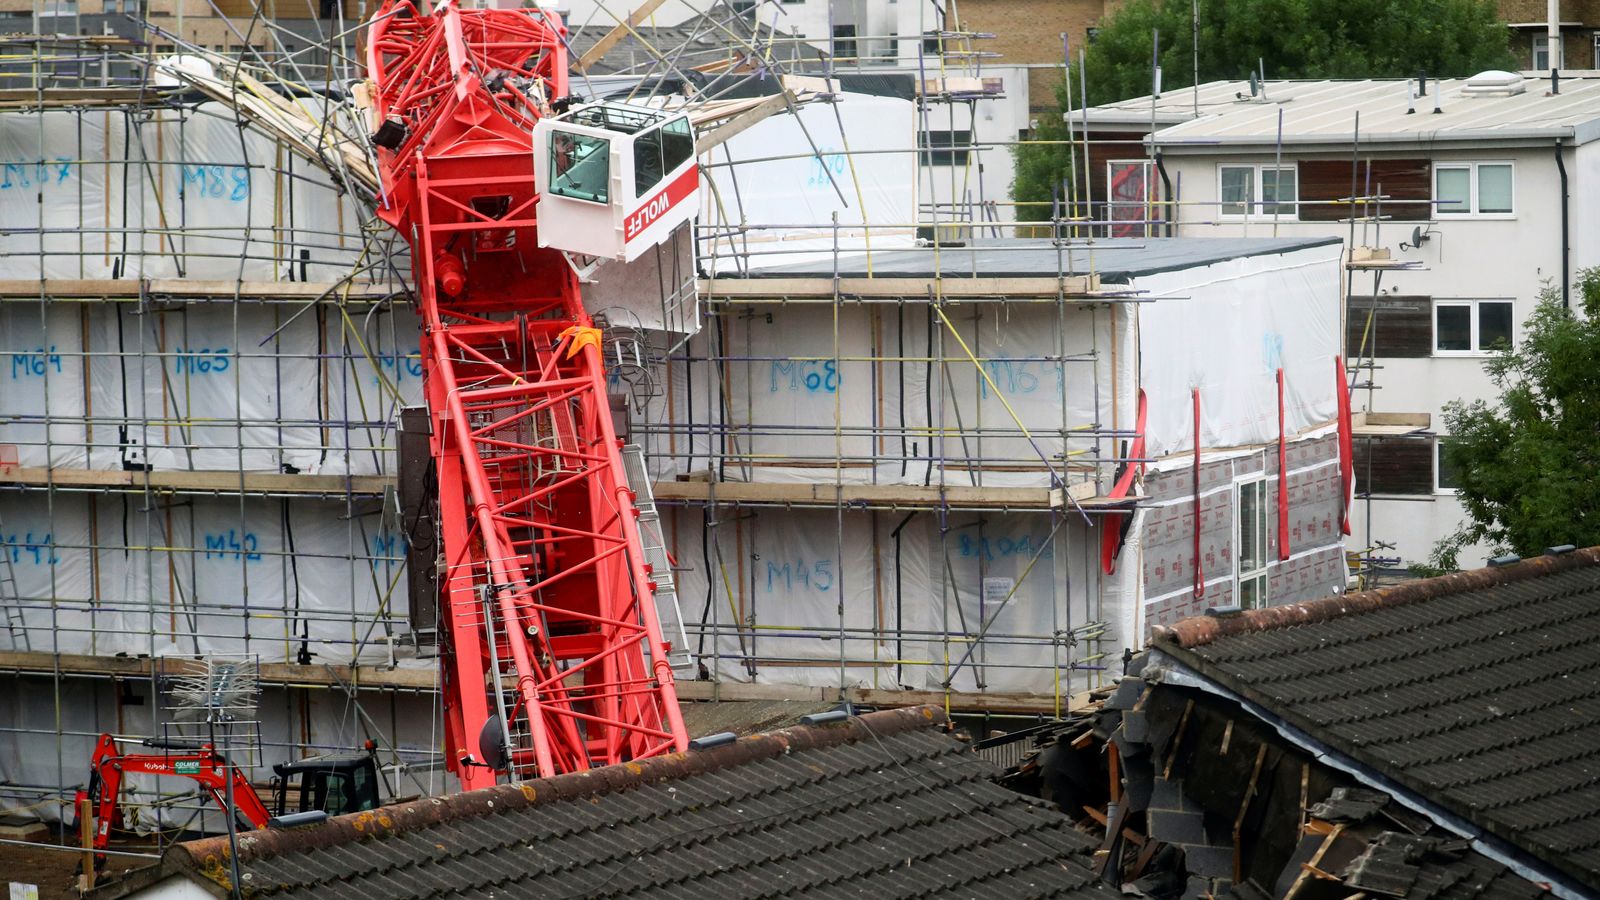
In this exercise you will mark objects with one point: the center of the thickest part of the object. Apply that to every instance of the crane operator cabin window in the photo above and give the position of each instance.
(580, 166)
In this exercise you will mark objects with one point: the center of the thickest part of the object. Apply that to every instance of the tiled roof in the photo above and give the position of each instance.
(1479, 692)
(884, 805)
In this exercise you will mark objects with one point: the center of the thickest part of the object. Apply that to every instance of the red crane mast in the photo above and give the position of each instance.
(552, 655)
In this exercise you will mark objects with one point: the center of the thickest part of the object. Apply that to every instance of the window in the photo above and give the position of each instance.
(1597, 50)
(1541, 53)
(580, 166)
(1250, 542)
(657, 153)
(946, 148)
(1129, 186)
(1472, 188)
(930, 43)
(1091, 34)
(844, 43)
(1471, 327)
(647, 169)
(1446, 477)
(1240, 186)
(677, 143)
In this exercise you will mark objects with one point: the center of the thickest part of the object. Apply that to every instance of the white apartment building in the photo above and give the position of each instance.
(1484, 181)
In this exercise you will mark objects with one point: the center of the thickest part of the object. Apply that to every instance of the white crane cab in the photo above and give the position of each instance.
(614, 180)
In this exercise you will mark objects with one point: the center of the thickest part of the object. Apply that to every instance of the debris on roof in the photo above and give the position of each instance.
(1477, 693)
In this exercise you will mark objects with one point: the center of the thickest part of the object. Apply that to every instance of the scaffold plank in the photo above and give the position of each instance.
(40, 662)
(423, 679)
(199, 288)
(223, 482)
(906, 495)
(1084, 287)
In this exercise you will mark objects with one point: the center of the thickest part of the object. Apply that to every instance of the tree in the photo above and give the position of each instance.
(1289, 38)
(1528, 468)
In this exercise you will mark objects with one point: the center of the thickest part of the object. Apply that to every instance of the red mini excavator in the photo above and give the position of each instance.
(335, 784)
(552, 653)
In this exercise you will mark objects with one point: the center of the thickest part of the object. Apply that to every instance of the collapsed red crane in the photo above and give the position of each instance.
(552, 655)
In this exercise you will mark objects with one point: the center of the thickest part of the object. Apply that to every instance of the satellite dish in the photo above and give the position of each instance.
(492, 744)
(1418, 238)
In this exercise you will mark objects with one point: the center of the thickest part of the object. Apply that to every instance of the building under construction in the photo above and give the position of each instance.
(892, 447)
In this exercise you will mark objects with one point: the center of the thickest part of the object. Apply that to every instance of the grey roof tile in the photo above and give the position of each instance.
(1486, 700)
(902, 814)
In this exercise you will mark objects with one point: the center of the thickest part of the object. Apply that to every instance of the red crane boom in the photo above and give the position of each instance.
(552, 654)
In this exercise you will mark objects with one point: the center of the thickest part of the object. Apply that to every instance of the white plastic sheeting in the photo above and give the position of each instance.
(777, 179)
(206, 386)
(787, 383)
(771, 590)
(190, 576)
(1226, 329)
(154, 195)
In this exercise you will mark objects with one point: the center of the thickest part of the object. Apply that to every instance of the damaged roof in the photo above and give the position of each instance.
(1478, 693)
(881, 805)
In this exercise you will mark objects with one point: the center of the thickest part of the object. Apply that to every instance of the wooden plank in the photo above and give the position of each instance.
(959, 701)
(1084, 286)
(1372, 424)
(118, 288)
(224, 481)
(615, 35)
(425, 679)
(190, 480)
(289, 674)
(770, 106)
(909, 495)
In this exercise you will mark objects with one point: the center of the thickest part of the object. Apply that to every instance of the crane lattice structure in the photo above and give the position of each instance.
(546, 598)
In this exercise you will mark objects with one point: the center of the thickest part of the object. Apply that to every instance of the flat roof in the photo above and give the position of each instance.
(1115, 260)
(1324, 112)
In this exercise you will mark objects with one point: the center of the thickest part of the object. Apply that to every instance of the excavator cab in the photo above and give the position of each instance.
(614, 180)
(336, 783)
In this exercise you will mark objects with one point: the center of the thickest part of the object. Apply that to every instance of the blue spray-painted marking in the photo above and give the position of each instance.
(30, 549)
(818, 576)
(232, 545)
(816, 377)
(35, 364)
(216, 181)
(1003, 547)
(39, 173)
(204, 361)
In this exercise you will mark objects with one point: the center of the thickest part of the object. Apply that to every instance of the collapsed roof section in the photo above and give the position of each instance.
(1473, 697)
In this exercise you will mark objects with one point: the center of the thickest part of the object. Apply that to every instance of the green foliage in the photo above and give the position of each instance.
(1529, 466)
(1291, 38)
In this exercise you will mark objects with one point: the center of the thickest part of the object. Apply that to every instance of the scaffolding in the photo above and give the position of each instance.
(217, 344)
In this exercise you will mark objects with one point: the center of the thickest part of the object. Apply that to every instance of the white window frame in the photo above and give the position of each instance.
(1263, 574)
(1438, 464)
(1597, 50)
(1541, 44)
(1150, 204)
(1255, 211)
(1476, 338)
(1442, 212)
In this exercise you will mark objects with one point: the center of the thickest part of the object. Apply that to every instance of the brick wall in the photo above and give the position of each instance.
(1029, 31)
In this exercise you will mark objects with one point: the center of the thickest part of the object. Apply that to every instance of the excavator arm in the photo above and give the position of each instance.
(198, 762)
